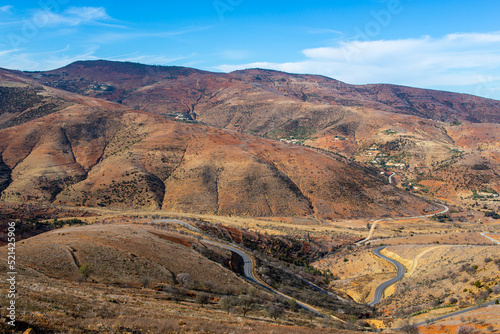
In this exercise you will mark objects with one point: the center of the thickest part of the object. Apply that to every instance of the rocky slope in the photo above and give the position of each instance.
(97, 153)
(417, 133)
(85, 157)
(409, 130)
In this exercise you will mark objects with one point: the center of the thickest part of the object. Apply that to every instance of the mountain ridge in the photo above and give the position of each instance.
(362, 123)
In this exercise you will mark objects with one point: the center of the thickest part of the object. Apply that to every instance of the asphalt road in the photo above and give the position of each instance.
(247, 264)
(380, 289)
(175, 221)
(248, 273)
(466, 310)
(247, 261)
(390, 177)
(495, 241)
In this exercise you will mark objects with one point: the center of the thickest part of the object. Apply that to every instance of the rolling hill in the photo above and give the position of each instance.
(428, 137)
(99, 153)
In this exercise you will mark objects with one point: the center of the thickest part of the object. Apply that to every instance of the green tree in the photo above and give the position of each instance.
(227, 303)
(275, 311)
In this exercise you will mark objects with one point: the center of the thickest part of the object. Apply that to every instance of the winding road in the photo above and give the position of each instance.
(374, 224)
(401, 270)
(390, 177)
(380, 289)
(249, 266)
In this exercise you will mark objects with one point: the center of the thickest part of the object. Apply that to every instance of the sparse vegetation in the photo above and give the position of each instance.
(86, 270)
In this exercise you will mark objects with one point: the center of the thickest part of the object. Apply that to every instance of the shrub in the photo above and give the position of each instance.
(464, 329)
(409, 328)
(202, 299)
(85, 270)
(184, 279)
(177, 294)
(275, 311)
(145, 280)
(292, 303)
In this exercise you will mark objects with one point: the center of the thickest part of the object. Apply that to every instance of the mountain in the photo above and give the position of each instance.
(98, 153)
(201, 93)
(432, 140)
(424, 135)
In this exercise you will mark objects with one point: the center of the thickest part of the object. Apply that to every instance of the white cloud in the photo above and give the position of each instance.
(458, 59)
(73, 16)
(6, 9)
(88, 13)
(27, 61)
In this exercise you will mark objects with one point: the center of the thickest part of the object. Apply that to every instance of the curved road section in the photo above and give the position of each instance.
(248, 273)
(247, 265)
(449, 315)
(494, 240)
(380, 289)
(374, 225)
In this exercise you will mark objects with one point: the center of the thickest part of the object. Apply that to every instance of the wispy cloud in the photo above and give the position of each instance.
(29, 61)
(110, 37)
(73, 16)
(454, 60)
(150, 59)
(324, 31)
(7, 52)
(6, 9)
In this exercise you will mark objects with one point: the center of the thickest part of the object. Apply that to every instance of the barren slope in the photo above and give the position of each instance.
(91, 157)
(122, 254)
(414, 131)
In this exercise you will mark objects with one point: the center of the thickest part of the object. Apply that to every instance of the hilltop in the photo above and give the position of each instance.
(419, 133)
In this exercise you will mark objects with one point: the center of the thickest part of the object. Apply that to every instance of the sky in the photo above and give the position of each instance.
(446, 45)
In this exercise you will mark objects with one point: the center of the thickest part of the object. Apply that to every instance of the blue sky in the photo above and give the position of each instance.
(448, 45)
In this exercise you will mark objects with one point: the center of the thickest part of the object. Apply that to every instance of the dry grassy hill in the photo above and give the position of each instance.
(123, 254)
(125, 278)
(413, 131)
(94, 153)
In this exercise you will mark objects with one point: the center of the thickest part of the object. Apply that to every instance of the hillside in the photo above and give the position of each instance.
(202, 94)
(433, 140)
(95, 153)
(130, 278)
(415, 132)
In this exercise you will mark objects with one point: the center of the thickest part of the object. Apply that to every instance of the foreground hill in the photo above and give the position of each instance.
(122, 254)
(129, 278)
